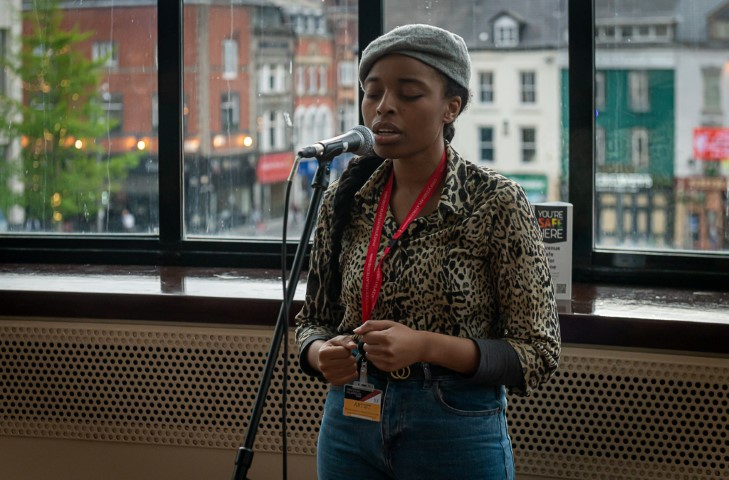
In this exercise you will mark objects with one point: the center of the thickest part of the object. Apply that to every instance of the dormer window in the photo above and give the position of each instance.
(506, 32)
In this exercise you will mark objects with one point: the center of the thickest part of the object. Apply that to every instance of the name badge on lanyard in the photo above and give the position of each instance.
(361, 399)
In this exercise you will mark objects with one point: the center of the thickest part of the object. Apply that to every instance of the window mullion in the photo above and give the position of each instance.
(169, 21)
(581, 137)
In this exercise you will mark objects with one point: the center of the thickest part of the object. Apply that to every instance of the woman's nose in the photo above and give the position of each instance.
(385, 104)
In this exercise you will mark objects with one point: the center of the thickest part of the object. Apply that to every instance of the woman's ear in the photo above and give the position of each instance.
(453, 108)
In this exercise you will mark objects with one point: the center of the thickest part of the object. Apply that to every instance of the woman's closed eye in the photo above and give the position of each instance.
(410, 98)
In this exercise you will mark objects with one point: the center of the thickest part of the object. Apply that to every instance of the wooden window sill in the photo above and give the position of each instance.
(600, 315)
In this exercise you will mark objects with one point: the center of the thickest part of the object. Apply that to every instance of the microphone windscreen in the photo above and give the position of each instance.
(368, 140)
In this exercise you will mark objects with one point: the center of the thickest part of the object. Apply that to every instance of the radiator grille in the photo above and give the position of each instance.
(173, 386)
(617, 415)
(605, 414)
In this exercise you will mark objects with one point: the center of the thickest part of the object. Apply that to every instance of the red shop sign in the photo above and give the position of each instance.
(711, 143)
(274, 167)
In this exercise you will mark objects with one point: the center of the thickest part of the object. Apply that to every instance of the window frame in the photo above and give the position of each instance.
(590, 263)
(486, 87)
(230, 58)
(640, 153)
(528, 87)
(101, 48)
(711, 90)
(230, 111)
(112, 105)
(528, 146)
(506, 32)
(171, 247)
(486, 146)
(639, 90)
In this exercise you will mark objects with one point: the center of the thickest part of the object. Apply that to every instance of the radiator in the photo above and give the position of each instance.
(606, 414)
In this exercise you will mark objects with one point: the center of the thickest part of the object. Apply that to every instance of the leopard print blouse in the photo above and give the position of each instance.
(474, 268)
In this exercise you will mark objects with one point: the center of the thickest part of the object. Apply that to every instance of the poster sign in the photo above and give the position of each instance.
(711, 143)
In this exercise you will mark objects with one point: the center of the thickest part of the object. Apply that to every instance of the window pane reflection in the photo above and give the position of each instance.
(261, 81)
(662, 143)
(77, 142)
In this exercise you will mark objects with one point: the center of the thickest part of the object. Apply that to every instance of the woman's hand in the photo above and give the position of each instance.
(391, 345)
(334, 359)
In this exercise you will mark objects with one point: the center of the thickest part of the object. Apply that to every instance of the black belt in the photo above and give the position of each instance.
(416, 371)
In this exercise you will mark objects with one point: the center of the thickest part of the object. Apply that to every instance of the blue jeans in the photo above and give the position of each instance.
(432, 427)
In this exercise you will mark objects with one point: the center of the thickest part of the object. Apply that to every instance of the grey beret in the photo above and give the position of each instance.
(443, 50)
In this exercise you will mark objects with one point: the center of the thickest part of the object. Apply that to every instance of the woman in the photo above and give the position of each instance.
(428, 290)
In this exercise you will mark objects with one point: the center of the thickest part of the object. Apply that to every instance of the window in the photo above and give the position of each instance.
(272, 123)
(282, 83)
(272, 132)
(113, 107)
(299, 24)
(626, 33)
(660, 130)
(712, 89)
(506, 32)
(199, 184)
(347, 117)
(324, 122)
(719, 26)
(300, 80)
(663, 32)
(107, 52)
(155, 112)
(267, 79)
(347, 73)
(487, 144)
(639, 93)
(528, 87)
(486, 87)
(101, 151)
(599, 90)
(323, 79)
(599, 146)
(639, 148)
(272, 78)
(230, 58)
(230, 112)
(607, 34)
(313, 79)
(528, 145)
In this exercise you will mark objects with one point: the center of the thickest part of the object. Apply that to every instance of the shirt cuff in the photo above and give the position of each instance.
(498, 364)
(303, 358)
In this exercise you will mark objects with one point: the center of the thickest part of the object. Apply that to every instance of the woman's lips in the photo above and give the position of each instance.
(386, 134)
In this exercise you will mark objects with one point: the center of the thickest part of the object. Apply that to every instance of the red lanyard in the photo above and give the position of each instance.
(372, 276)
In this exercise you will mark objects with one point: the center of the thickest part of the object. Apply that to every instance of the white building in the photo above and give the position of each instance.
(513, 124)
(10, 31)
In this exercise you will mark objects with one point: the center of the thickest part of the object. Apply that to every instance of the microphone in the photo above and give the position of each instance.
(359, 140)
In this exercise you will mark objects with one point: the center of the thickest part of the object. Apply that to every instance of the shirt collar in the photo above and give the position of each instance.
(452, 197)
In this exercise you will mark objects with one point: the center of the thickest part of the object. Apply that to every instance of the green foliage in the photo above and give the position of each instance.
(62, 168)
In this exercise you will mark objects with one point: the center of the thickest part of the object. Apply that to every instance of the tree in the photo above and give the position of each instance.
(65, 173)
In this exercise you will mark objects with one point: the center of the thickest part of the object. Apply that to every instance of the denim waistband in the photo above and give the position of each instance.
(415, 372)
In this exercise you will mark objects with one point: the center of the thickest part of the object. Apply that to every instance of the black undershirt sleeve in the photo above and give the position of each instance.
(498, 365)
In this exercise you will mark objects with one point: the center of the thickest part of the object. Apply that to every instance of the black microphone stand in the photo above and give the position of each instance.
(244, 458)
